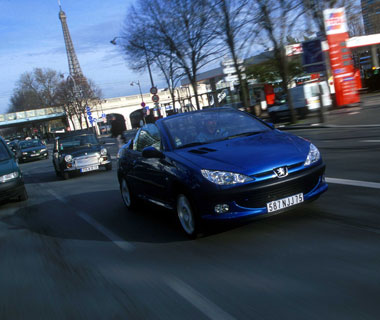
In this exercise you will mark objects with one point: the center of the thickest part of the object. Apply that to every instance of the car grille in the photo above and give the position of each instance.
(86, 161)
(260, 197)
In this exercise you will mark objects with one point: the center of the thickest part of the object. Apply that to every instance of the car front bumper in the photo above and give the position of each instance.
(11, 189)
(88, 163)
(252, 199)
(34, 156)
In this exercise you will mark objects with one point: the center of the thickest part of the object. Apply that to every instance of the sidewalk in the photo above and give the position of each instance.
(367, 114)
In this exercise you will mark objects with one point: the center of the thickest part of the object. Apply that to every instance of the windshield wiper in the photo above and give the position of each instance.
(244, 134)
(193, 144)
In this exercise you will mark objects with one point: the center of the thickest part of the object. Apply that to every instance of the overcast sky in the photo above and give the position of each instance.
(31, 36)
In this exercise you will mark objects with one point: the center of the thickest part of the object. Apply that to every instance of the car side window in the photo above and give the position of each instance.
(149, 136)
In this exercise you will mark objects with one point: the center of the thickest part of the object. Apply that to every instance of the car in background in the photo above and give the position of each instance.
(13, 146)
(79, 153)
(32, 149)
(218, 164)
(305, 99)
(11, 179)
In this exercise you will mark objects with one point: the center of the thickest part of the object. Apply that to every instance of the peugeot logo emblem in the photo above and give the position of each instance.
(281, 172)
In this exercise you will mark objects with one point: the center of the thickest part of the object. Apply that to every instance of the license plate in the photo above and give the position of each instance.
(285, 202)
(34, 154)
(91, 168)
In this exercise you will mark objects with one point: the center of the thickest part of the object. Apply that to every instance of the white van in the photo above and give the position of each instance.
(307, 96)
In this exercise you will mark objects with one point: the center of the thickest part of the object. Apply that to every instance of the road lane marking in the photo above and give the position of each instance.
(374, 141)
(356, 183)
(204, 305)
(118, 241)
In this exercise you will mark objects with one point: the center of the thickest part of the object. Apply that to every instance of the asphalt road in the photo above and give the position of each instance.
(72, 251)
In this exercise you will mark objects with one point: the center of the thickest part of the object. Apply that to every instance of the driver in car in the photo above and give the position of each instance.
(210, 131)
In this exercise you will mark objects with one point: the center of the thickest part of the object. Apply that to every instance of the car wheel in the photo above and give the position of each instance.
(129, 200)
(109, 166)
(187, 216)
(65, 175)
(57, 172)
(23, 196)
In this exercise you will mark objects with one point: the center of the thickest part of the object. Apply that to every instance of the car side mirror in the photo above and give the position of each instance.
(150, 152)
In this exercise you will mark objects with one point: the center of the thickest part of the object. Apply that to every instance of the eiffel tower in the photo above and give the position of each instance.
(74, 66)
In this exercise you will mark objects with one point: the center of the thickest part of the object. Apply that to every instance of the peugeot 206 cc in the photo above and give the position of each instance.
(218, 164)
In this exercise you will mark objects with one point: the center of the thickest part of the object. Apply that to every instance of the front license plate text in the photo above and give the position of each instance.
(91, 168)
(285, 202)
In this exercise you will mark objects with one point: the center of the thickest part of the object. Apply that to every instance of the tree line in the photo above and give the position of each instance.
(43, 88)
(180, 37)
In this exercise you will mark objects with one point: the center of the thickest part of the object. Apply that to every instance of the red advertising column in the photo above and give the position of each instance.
(342, 64)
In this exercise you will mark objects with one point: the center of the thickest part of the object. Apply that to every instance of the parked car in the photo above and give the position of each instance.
(239, 167)
(11, 179)
(31, 149)
(305, 99)
(79, 153)
(13, 146)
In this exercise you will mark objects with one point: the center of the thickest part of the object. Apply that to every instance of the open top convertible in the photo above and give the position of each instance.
(218, 164)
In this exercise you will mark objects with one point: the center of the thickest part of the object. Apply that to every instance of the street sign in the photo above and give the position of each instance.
(312, 56)
(153, 90)
(155, 98)
(143, 104)
(230, 62)
(232, 69)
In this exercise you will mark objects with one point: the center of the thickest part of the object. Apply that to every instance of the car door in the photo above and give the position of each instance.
(151, 173)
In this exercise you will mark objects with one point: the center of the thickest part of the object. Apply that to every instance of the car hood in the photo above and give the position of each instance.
(249, 155)
(31, 149)
(78, 152)
(7, 166)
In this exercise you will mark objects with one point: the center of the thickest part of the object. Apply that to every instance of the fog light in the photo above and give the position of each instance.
(222, 208)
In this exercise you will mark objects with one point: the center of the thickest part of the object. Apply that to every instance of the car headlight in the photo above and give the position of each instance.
(225, 178)
(68, 158)
(103, 152)
(44, 149)
(313, 155)
(9, 176)
(24, 153)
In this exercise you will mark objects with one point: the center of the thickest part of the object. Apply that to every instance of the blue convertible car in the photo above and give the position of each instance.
(218, 164)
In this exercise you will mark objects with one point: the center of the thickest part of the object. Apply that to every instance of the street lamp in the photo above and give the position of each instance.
(138, 83)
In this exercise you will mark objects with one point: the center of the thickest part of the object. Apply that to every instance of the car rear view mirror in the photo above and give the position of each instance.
(150, 152)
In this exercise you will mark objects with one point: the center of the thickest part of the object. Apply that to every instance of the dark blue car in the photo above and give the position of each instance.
(218, 164)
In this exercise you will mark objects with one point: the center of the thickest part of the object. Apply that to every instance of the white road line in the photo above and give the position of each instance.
(355, 183)
(120, 242)
(374, 141)
(204, 305)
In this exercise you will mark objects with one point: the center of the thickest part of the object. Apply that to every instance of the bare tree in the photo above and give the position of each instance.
(36, 89)
(232, 21)
(182, 30)
(276, 20)
(75, 97)
(141, 55)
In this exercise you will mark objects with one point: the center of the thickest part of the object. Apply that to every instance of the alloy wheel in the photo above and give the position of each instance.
(185, 214)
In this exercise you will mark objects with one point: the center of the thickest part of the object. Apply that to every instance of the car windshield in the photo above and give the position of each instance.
(4, 154)
(30, 144)
(211, 125)
(77, 142)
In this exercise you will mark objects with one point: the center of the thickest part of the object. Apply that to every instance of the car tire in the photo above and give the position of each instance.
(130, 201)
(108, 166)
(65, 175)
(23, 196)
(187, 216)
(57, 172)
